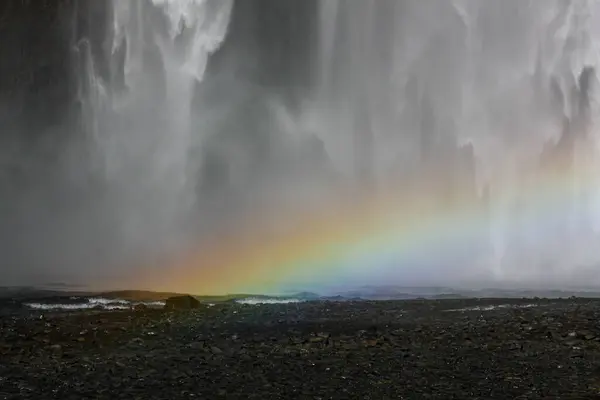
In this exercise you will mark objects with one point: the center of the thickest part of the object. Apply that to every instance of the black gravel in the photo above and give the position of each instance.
(525, 349)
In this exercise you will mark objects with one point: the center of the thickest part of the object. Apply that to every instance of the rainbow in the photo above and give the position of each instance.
(385, 237)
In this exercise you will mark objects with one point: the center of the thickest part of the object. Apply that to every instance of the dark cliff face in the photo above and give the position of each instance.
(281, 37)
(40, 59)
(35, 79)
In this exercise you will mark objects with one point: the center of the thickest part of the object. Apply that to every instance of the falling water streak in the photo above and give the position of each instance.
(183, 34)
(93, 98)
(136, 115)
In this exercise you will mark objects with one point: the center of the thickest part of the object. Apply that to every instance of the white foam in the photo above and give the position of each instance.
(492, 307)
(101, 301)
(94, 303)
(259, 301)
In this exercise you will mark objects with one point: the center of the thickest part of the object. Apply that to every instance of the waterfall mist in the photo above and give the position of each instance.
(182, 118)
(466, 100)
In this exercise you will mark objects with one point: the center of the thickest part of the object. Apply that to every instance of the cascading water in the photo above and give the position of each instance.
(431, 77)
(158, 54)
(197, 113)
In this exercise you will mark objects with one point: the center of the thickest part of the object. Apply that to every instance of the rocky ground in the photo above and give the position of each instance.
(446, 349)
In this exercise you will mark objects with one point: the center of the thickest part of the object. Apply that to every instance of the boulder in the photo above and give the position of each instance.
(140, 307)
(185, 302)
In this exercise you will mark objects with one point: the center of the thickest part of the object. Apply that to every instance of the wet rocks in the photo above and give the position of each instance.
(320, 350)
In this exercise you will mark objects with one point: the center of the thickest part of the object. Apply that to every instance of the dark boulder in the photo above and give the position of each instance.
(185, 302)
(140, 307)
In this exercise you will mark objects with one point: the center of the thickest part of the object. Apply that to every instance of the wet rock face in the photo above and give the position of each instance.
(38, 82)
(270, 43)
(34, 67)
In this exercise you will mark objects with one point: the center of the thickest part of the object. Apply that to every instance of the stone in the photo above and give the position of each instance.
(426, 353)
(185, 302)
(56, 347)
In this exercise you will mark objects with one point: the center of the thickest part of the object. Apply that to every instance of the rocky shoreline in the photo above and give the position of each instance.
(434, 349)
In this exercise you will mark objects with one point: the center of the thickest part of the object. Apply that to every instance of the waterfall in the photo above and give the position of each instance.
(431, 77)
(158, 52)
(186, 117)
